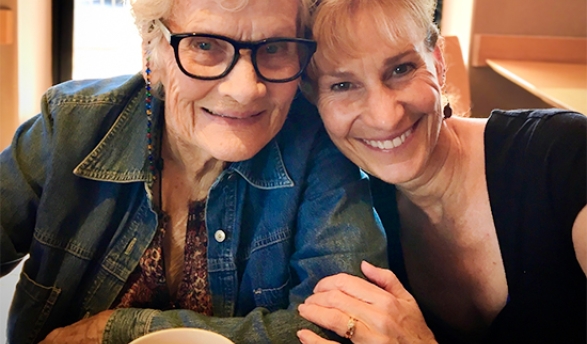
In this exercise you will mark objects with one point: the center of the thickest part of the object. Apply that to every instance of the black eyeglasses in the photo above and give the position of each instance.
(210, 57)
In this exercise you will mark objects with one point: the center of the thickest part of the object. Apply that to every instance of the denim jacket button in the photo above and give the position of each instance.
(219, 235)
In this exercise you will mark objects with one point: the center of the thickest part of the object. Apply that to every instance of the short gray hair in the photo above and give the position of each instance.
(146, 12)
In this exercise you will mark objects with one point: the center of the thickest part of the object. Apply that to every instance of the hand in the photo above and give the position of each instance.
(86, 331)
(385, 311)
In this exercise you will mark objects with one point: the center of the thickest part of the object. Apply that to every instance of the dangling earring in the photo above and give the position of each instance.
(149, 113)
(447, 111)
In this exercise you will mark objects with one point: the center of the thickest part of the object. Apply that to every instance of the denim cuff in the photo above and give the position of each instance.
(127, 324)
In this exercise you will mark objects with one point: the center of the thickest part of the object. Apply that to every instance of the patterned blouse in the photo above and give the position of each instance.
(147, 287)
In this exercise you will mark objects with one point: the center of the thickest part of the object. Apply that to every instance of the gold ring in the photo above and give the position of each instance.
(350, 328)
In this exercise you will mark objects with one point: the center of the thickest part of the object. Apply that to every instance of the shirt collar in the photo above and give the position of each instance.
(121, 156)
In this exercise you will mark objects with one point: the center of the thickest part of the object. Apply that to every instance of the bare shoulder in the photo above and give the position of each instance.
(580, 238)
(470, 132)
(467, 124)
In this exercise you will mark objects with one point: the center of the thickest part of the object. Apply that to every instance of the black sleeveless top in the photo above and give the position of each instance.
(536, 178)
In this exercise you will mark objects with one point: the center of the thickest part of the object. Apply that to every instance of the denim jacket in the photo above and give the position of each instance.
(74, 199)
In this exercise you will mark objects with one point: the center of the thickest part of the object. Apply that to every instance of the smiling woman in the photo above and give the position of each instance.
(203, 192)
(480, 248)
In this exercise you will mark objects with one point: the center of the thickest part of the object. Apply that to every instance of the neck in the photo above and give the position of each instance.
(184, 156)
(189, 166)
(442, 178)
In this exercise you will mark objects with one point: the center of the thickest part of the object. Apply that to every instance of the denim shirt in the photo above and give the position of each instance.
(75, 200)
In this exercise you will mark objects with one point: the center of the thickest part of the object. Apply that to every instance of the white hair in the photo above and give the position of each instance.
(146, 12)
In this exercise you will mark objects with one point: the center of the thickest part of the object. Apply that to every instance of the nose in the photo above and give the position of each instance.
(242, 83)
(383, 110)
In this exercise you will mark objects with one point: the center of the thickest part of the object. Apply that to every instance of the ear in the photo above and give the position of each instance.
(439, 63)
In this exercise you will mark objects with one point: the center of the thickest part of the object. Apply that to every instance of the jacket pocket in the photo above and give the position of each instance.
(30, 309)
(273, 298)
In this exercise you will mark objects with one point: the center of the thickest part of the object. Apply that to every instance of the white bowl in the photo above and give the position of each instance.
(182, 335)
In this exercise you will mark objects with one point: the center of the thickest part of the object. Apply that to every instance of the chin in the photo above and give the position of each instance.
(236, 155)
(392, 174)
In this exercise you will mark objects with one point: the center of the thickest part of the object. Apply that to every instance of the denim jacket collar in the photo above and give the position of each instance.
(121, 156)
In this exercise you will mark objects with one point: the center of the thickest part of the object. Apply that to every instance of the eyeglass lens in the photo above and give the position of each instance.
(210, 57)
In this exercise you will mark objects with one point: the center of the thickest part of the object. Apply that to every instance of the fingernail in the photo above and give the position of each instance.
(300, 335)
(367, 263)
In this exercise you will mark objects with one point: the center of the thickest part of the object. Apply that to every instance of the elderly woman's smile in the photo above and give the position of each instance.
(201, 193)
(234, 115)
(227, 91)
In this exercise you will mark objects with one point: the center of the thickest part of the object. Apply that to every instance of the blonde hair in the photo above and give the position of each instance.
(333, 29)
(146, 11)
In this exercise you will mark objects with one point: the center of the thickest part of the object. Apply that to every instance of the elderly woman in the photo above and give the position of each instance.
(195, 194)
(486, 218)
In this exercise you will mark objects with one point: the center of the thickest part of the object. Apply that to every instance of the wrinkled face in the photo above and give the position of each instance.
(233, 118)
(382, 107)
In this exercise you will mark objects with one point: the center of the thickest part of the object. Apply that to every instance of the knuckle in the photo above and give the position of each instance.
(388, 305)
(339, 280)
(337, 298)
(386, 323)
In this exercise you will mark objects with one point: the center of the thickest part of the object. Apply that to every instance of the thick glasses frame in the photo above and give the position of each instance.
(175, 38)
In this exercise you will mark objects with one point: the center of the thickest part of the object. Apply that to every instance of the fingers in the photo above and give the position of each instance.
(385, 279)
(391, 321)
(334, 320)
(385, 310)
(351, 285)
(309, 337)
(381, 282)
(375, 316)
(88, 331)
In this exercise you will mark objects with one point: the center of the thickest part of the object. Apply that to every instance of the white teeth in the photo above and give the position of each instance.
(397, 141)
(389, 144)
(217, 114)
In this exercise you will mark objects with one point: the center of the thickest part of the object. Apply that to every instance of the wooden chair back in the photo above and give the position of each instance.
(457, 77)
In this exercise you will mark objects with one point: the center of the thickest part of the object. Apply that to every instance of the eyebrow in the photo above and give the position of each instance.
(337, 73)
(394, 59)
(202, 26)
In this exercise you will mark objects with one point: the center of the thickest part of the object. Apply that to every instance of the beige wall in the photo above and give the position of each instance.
(8, 82)
(457, 20)
(511, 17)
(34, 55)
(25, 65)
(531, 17)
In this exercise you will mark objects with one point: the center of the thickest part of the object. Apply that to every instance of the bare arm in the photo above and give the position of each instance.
(580, 238)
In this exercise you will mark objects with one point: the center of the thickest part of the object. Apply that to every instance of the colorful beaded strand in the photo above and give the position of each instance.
(149, 112)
